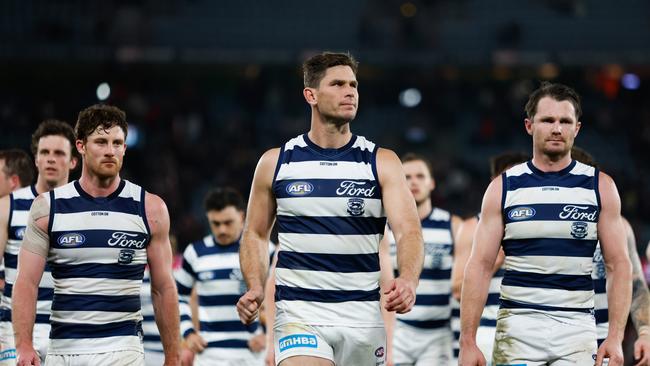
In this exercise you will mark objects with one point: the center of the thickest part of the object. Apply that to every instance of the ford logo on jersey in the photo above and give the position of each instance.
(71, 240)
(521, 213)
(298, 340)
(300, 188)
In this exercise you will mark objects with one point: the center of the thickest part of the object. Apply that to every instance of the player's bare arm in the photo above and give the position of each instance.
(254, 249)
(478, 271)
(4, 223)
(385, 279)
(611, 234)
(640, 306)
(405, 224)
(31, 264)
(163, 287)
(462, 248)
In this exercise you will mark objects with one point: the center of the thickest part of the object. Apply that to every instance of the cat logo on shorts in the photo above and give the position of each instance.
(579, 229)
(126, 256)
(356, 206)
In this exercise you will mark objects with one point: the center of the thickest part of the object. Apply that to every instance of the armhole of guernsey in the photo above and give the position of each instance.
(277, 167)
(143, 212)
(11, 213)
(51, 220)
(596, 187)
(373, 166)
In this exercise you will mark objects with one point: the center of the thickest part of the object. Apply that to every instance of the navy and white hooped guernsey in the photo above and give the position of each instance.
(550, 237)
(20, 203)
(98, 252)
(215, 272)
(432, 309)
(330, 222)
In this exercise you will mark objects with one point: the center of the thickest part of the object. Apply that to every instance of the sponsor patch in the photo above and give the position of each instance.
(127, 240)
(575, 212)
(71, 240)
(9, 354)
(521, 213)
(579, 229)
(300, 189)
(20, 233)
(298, 340)
(355, 188)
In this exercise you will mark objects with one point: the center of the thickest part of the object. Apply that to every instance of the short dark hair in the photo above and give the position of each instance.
(559, 92)
(54, 127)
(219, 198)
(583, 156)
(18, 162)
(499, 163)
(98, 115)
(315, 67)
(417, 157)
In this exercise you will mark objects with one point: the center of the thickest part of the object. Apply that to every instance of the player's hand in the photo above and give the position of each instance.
(27, 356)
(269, 360)
(642, 350)
(400, 295)
(249, 304)
(612, 349)
(187, 357)
(471, 355)
(257, 343)
(195, 343)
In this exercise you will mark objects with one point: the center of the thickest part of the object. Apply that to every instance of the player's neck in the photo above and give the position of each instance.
(98, 186)
(549, 164)
(43, 186)
(329, 135)
(424, 208)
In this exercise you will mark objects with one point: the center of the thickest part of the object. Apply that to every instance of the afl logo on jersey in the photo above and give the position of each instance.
(71, 240)
(300, 189)
(20, 233)
(521, 213)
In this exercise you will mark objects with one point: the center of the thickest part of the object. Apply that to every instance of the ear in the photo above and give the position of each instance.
(81, 147)
(529, 126)
(310, 96)
(433, 184)
(14, 181)
(578, 125)
(73, 163)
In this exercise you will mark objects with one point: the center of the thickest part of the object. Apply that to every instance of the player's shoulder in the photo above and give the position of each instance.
(387, 156)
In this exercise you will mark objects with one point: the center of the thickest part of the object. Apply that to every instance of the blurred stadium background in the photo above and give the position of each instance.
(209, 85)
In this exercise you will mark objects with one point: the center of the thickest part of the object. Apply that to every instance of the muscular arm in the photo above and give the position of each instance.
(640, 306)
(402, 215)
(163, 288)
(260, 216)
(386, 276)
(462, 248)
(254, 249)
(478, 270)
(4, 226)
(31, 264)
(611, 234)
